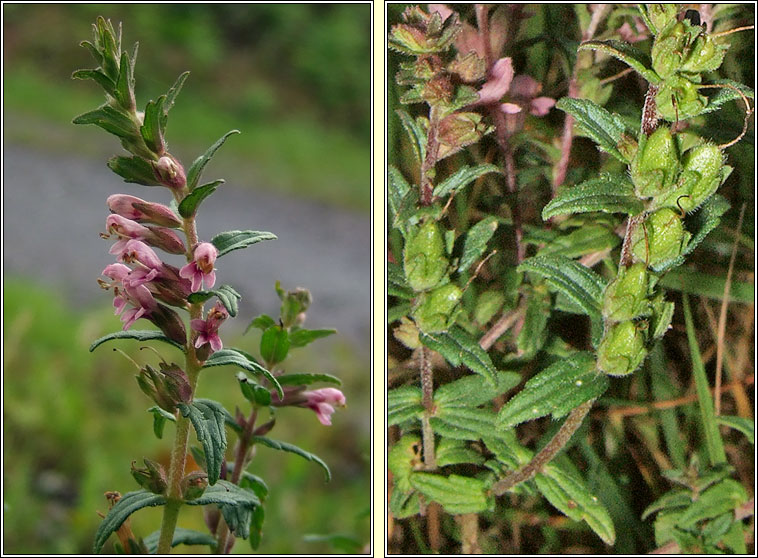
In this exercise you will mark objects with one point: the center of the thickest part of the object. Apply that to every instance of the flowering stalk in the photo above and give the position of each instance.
(147, 288)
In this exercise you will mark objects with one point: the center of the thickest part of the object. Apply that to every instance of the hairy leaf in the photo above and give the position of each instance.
(719, 498)
(742, 424)
(307, 379)
(463, 423)
(152, 129)
(174, 91)
(631, 56)
(237, 505)
(476, 242)
(415, 133)
(126, 506)
(139, 335)
(235, 357)
(454, 452)
(134, 169)
(111, 120)
(458, 347)
(472, 391)
(208, 418)
(181, 536)
(462, 178)
(455, 493)
(190, 203)
(235, 240)
(404, 403)
(606, 129)
(193, 175)
(610, 193)
(160, 416)
(284, 446)
(727, 94)
(228, 296)
(303, 337)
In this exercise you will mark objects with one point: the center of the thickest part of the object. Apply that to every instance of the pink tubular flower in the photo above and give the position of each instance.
(208, 328)
(321, 401)
(137, 251)
(200, 269)
(140, 210)
(125, 229)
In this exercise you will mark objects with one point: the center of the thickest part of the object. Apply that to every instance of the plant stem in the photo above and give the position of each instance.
(181, 438)
(427, 394)
(559, 441)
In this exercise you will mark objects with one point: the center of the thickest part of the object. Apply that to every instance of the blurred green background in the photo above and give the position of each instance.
(295, 79)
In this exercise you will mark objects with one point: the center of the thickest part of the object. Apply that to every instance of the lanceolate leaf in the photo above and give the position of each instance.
(397, 189)
(462, 178)
(174, 91)
(579, 283)
(208, 418)
(235, 357)
(126, 506)
(455, 493)
(139, 335)
(610, 193)
(396, 284)
(303, 337)
(193, 175)
(458, 347)
(476, 242)
(555, 391)
(228, 296)
(633, 57)
(453, 452)
(463, 423)
(152, 129)
(160, 416)
(571, 496)
(234, 240)
(181, 536)
(307, 379)
(97, 75)
(727, 94)
(604, 128)
(415, 133)
(109, 119)
(404, 403)
(472, 391)
(133, 169)
(705, 220)
(719, 498)
(742, 424)
(284, 446)
(188, 206)
(237, 505)
(587, 239)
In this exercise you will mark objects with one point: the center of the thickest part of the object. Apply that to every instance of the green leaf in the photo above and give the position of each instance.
(742, 424)
(235, 240)
(396, 284)
(152, 130)
(303, 337)
(174, 91)
(307, 379)
(462, 178)
(720, 498)
(275, 344)
(123, 85)
(134, 169)
(727, 95)
(345, 544)
(463, 423)
(555, 391)
(237, 505)
(193, 175)
(458, 347)
(455, 452)
(139, 335)
(704, 220)
(111, 120)
(397, 189)
(457, 494)
(673, 499)
(228, 296)
(208, 419)
(97, 75)
(262, 322)
(587, 239)
(126, 506)
(476, 242)
(256, 394)
(606, 129)
(472, 391)
(235, 357)
(703, 284)
(160, 416)
(181, 536)
(580, 284)
(631, 56)
(190, 203)
(404, 403)
(713, 441)
(534, 332)
(284, 446)
(415, 133)
(256, 526)
(610, 193)
(572, 497)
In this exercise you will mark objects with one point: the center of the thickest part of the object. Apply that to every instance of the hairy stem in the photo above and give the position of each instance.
(427, 394)
(559, 441)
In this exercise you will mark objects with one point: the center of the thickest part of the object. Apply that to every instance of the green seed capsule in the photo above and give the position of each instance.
(679, 98)
(703, 54)
(666, 53)
(424, 259)
(434, 311)
(622, 349)
(661, 15)
(701, 177)
(625, 297)
(656, 163)
(659, 239)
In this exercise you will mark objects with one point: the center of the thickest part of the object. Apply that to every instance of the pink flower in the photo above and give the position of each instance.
(200, 269)
(524, 89)
(499, 82)
(125, 229)
(321, 401)
(140, 210)
(139, 252)
(208, 328)
(125, 292)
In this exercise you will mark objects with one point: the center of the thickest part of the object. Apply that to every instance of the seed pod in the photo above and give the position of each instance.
(152, 477)
(659, 239)
(703, 173)
(434, 311)
(625, 297)
(656, 164)
(703, 54)
(622, 349)
(194, 485)
(424, 259)
(668, 47)
(678, 99)
(661, 15)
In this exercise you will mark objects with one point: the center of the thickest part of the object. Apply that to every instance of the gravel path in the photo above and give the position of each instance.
(54, 208)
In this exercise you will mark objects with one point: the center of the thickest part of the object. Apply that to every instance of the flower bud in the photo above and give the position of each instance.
(143, 211)
(661, 15)
(679, 98)
(703, 172)
(152, 477)
(622, 349)
(165, 239)
(170, 172)
(434, 311)
(294, 305)
(264, 428)
(169, 323)
(659, 239)
(194, 485)
(424, 260)
(166, 387)
(625, 297)
(656, 164)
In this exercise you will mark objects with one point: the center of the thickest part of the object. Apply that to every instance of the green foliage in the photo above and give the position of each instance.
(227, 241)
(227, 295)
(208, 418)
(235, 357)
(291, 448)
(120, 512)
